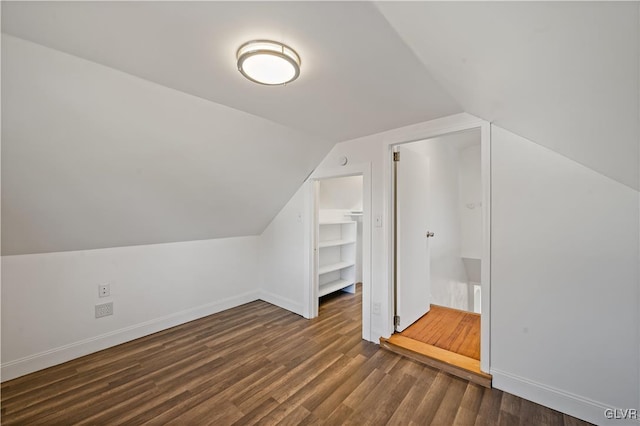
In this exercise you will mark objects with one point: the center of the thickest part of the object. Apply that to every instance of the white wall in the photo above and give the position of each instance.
(561, 73)
(343, 193)
(95, 158)
(564, 300)
(48, 299)
(470, 202)
(370, 151)
(564, 281)
(448, 277)
(283, 255)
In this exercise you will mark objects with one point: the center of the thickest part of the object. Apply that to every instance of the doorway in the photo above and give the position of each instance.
(340, 238)
(440, 241)
(339, 234)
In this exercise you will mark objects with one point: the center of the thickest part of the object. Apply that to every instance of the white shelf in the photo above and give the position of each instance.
(334, 267)
(333, 243)
(332, 286)
(337, 222)
(337, 244)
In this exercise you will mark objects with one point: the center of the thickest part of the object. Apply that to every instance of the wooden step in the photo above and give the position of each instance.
(450, 362)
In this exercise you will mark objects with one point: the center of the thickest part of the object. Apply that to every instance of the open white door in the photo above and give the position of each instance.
(413, 293)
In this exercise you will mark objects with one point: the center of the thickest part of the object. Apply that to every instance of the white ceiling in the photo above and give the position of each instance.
(93, 157)
(563, 74)
(357, 76)
(143, 131)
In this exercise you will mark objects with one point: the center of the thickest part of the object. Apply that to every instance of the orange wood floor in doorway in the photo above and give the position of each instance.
(450, 329)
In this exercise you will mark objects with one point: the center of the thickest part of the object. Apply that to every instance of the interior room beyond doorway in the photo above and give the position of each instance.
(438, 212)
(339, 235)
(454, 215)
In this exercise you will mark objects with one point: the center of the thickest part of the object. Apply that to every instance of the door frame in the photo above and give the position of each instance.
(311, 287)
(389, 195)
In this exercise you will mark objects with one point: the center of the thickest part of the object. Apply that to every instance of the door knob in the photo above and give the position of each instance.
(430, 234)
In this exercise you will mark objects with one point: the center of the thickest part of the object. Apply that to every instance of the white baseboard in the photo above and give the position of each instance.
(565, 402)
(19, 367)
(377, 334)
(281, 302)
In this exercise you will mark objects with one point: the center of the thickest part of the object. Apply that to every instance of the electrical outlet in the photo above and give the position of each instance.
(104, 290)
(376, 308)
(378, 221)
(104, 310)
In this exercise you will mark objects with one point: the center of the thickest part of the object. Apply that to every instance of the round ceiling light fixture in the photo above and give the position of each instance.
(268, 62)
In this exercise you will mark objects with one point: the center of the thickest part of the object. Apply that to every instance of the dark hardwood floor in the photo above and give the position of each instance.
(260, 364)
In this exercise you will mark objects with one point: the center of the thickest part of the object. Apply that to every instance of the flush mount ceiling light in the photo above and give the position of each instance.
(268, 62)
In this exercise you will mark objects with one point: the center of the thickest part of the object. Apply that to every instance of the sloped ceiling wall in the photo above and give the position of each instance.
(142, 131)
(563, 74)
(126, 123)
(358, 76)
(93, 157)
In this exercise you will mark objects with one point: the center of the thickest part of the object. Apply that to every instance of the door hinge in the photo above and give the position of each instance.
(396, 320)
(396, 156)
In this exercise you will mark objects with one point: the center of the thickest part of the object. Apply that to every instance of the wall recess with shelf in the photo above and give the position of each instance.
(336, 249)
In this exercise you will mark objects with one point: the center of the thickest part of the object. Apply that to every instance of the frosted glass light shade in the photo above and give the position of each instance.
(268, 62)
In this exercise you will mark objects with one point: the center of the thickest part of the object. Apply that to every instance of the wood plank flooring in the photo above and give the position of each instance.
(450, 362)
(449, 329)
(259, 364)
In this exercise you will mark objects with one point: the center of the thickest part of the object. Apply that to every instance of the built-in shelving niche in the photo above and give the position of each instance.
(336, 256)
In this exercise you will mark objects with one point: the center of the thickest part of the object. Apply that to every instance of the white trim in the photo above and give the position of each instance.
(343, 171)
(19, 367)
(281, 302)
(433, 129)
(485, 272)
(388, 221)
(311, 290)
(308, 307)
(557, 399)
(376, 334)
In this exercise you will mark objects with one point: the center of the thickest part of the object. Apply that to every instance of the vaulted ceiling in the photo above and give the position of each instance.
(563, 74)
(127, 122)
(358, 75)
